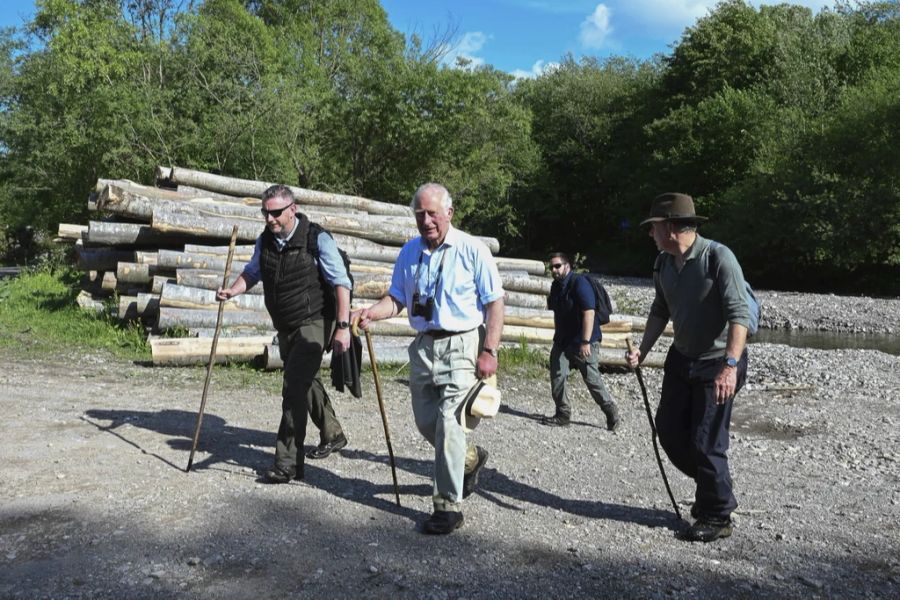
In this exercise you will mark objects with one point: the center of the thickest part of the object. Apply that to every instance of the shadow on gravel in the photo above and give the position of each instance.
(505, 409)
(224, 443)
(227, 444)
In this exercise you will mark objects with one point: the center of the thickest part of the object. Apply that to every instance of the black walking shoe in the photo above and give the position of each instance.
(281, 475)
(470, 479)
(442, 522)
(323, 450)
(708, 530)
(556, 421)
(613, 419)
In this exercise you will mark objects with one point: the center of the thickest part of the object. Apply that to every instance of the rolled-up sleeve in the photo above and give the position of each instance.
(331, 263)
(487, 275)
(732, 287)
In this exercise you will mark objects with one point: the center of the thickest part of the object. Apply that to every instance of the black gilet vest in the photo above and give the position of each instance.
(293, 285)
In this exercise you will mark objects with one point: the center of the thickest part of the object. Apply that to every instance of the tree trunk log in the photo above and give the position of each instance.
(132, 235)
(191, 351)
(69, 232)
(179, 296)
(170, 318)
(245, 187)
(207, 280)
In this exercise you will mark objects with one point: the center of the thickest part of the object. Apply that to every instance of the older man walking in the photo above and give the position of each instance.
(700, 286)
(449, 284)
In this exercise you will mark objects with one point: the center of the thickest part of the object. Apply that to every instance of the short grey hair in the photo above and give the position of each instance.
(279, 191)
(445, 199)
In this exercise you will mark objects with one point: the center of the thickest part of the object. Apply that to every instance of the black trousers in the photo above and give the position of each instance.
(693, 429)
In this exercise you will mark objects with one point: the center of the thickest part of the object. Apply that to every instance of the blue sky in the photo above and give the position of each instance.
(523, 37)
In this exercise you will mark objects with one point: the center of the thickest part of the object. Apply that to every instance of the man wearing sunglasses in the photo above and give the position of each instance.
(297, 273)
(576, 342)
(449, 284)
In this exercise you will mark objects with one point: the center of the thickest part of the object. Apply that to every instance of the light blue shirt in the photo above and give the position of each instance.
(460, 274)
(330, 262)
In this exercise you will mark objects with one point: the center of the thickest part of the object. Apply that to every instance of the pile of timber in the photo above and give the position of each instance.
(156, 254)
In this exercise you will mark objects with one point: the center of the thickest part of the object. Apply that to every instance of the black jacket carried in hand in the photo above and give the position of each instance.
(345, 368)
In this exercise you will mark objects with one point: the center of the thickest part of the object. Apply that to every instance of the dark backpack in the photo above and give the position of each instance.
(604, 304)
(312, 246)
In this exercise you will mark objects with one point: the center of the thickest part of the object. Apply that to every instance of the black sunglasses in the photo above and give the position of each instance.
(275, 212)
(556, 266)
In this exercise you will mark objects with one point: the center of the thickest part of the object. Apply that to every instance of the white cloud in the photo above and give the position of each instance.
(537, 69)
(596, 28)
(678, 14)
(468, 47)
(667, 13)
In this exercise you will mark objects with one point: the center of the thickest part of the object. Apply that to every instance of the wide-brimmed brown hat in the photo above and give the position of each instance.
(673, 207)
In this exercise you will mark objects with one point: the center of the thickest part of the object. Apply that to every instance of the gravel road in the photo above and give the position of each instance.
(95, 502)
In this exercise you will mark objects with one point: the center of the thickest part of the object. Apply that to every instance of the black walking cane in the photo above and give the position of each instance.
(212, 350)
(662, 471)
(387, 434)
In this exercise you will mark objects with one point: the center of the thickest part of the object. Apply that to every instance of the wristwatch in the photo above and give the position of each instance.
(731, 362)
(343, 325)
(491, 351)
(585, 341)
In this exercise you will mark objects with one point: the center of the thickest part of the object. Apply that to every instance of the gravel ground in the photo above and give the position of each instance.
(95, 502)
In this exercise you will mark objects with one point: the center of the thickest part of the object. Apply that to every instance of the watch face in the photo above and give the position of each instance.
(731, 362)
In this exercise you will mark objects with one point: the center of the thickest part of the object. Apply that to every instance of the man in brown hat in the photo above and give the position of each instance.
(700, 287)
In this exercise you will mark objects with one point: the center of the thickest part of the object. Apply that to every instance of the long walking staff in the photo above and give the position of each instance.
(212, 350)
(662, 470)
(387, 434)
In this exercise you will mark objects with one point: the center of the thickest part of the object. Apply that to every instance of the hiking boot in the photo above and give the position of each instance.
(442, 522)
(613, 419)
(324, 450)
(556, 421)
(470, 479)
(708, 530)
(282, 475)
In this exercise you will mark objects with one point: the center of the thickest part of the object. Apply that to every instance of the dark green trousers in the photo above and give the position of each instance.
(302, 392)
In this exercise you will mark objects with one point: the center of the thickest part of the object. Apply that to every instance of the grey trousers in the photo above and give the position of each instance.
(561, 362)
(302, 393)
(441, 373)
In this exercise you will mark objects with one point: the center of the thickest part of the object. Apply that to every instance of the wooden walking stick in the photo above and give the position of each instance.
(662, 470)
(387, 434)
(212, 350)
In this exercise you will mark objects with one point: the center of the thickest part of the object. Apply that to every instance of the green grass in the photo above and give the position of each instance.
(38, 315)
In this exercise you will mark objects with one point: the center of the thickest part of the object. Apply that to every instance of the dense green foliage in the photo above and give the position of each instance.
(783, 125)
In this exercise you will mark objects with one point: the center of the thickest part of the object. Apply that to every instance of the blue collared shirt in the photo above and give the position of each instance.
(460, 274)
(330, 262)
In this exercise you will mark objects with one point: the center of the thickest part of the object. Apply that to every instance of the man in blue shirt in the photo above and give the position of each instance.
(576, 342)
(449, 284)
(307, 292)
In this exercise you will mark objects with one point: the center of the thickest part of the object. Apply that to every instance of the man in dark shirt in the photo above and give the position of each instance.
(699, 285)
(576, 342)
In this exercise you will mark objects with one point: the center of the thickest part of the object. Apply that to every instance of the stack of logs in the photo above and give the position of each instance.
(161, 251)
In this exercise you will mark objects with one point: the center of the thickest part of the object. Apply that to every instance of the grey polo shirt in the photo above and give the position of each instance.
(702, 299)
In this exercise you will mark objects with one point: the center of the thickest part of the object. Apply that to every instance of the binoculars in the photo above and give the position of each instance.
(426, 311)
